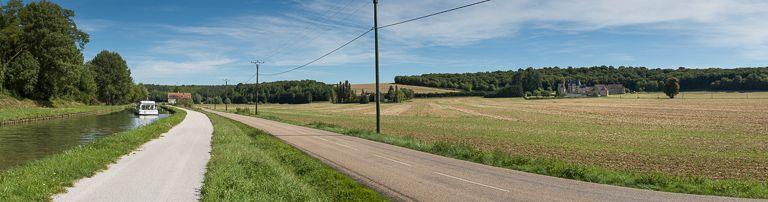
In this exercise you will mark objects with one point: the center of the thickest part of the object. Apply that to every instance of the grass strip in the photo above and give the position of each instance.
(16, 114)
(558, 168)
(40, 179)
(250, 165)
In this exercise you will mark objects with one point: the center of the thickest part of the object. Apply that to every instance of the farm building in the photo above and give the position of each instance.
(577, 89)
(174, 98)
(613, 89)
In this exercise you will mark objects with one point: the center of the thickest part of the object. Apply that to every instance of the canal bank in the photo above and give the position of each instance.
(12, 116)
(39, 179)
(24, 142)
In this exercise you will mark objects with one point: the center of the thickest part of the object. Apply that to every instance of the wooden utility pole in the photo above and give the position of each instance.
(376, 41)
(226, 94)
(256, 105)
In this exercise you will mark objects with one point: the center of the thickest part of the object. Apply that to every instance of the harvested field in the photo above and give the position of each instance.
(713, 138)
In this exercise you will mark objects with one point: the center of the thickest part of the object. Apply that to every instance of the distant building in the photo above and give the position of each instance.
(173, 98)
(613, 89)
(576, 89)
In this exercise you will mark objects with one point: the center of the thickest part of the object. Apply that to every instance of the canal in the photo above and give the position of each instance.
(29, 141)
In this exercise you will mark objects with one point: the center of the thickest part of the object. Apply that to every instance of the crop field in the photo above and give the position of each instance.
(713, 138)
(385, 86)
(696, 95)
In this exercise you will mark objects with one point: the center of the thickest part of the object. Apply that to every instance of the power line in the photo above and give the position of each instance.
(321, 33)
(381, 27)
(434, 14)
(323, 56)
(292, 43)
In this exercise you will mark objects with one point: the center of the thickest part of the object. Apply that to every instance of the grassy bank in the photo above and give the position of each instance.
(40, 179)
(27, 113)
(249, 165)
(708, 147)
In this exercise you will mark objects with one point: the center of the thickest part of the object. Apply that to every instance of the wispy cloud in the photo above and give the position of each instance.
(94, 25)
(311, 28)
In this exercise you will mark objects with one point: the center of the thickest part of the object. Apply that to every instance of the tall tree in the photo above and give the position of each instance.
(113, 78)
(672, 87)
(49, 33)
(21, 77)
(10, 35)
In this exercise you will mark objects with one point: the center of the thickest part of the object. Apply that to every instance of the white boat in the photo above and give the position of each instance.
(147, 108)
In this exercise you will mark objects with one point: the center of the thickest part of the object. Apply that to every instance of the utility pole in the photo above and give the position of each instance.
(226, 94)
(376, 41)
(256, 106)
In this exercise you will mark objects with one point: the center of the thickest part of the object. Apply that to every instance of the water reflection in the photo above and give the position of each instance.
(25, 142)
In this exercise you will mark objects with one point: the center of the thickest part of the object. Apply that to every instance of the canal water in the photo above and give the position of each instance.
(29, 141)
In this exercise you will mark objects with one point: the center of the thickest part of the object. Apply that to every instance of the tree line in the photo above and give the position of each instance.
(343, 93)
(41, 58)
(282, 92)
(634, 78)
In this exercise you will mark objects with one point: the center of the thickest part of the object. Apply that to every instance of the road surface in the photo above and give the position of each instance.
(410, 175)
(170, 168)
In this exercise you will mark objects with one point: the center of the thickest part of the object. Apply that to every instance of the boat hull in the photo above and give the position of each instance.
(148, 112)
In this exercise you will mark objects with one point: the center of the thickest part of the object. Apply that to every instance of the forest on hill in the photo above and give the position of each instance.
(41, 58)
(634, 78)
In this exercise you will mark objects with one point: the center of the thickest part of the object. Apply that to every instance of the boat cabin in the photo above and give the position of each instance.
(147, 108)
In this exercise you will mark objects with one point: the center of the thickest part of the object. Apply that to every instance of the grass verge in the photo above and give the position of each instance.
(39, 180)
(558, 168)
(17, 114)
(250, 165)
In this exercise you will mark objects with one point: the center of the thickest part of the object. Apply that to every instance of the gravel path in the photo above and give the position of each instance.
(170, 168)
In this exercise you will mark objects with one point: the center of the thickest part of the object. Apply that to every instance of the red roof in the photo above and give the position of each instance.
(179, 96)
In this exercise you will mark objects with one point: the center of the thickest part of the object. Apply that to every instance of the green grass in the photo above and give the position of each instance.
(11, 114)
(558, 168)
(249, 165)
(40, 179)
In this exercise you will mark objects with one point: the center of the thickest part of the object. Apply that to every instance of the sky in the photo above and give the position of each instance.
(204, 42)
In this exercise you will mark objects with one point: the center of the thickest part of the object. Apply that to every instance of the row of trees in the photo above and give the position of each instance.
(283, 92)
(41, 58)
(343, 93)
(634, 78)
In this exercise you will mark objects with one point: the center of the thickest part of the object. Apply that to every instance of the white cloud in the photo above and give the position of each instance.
(315, 27)
(721, 23)
(94, 25)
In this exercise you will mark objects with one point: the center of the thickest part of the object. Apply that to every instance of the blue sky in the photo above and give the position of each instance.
(204, 42)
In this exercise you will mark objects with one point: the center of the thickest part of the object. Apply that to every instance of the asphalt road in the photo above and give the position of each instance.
(170, 168)
(410, 175)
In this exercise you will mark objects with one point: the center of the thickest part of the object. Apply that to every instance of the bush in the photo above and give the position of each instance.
(508, 91)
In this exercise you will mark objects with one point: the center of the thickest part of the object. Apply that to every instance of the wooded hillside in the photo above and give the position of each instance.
(634, 78)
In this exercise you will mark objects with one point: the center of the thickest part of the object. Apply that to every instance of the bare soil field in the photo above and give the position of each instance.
(713, 138)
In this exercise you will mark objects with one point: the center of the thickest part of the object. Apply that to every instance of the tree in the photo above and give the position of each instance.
(197, 98)
(227, 101)
(49, 33)
(10, 35)
(87, 88)
(113, 78)
(391, 94)
(21, 77)
(672, 87)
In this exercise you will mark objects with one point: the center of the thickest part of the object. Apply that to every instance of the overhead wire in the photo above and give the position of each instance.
(292, 43)
(369, 31)
(280, 48)
(323, 56)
